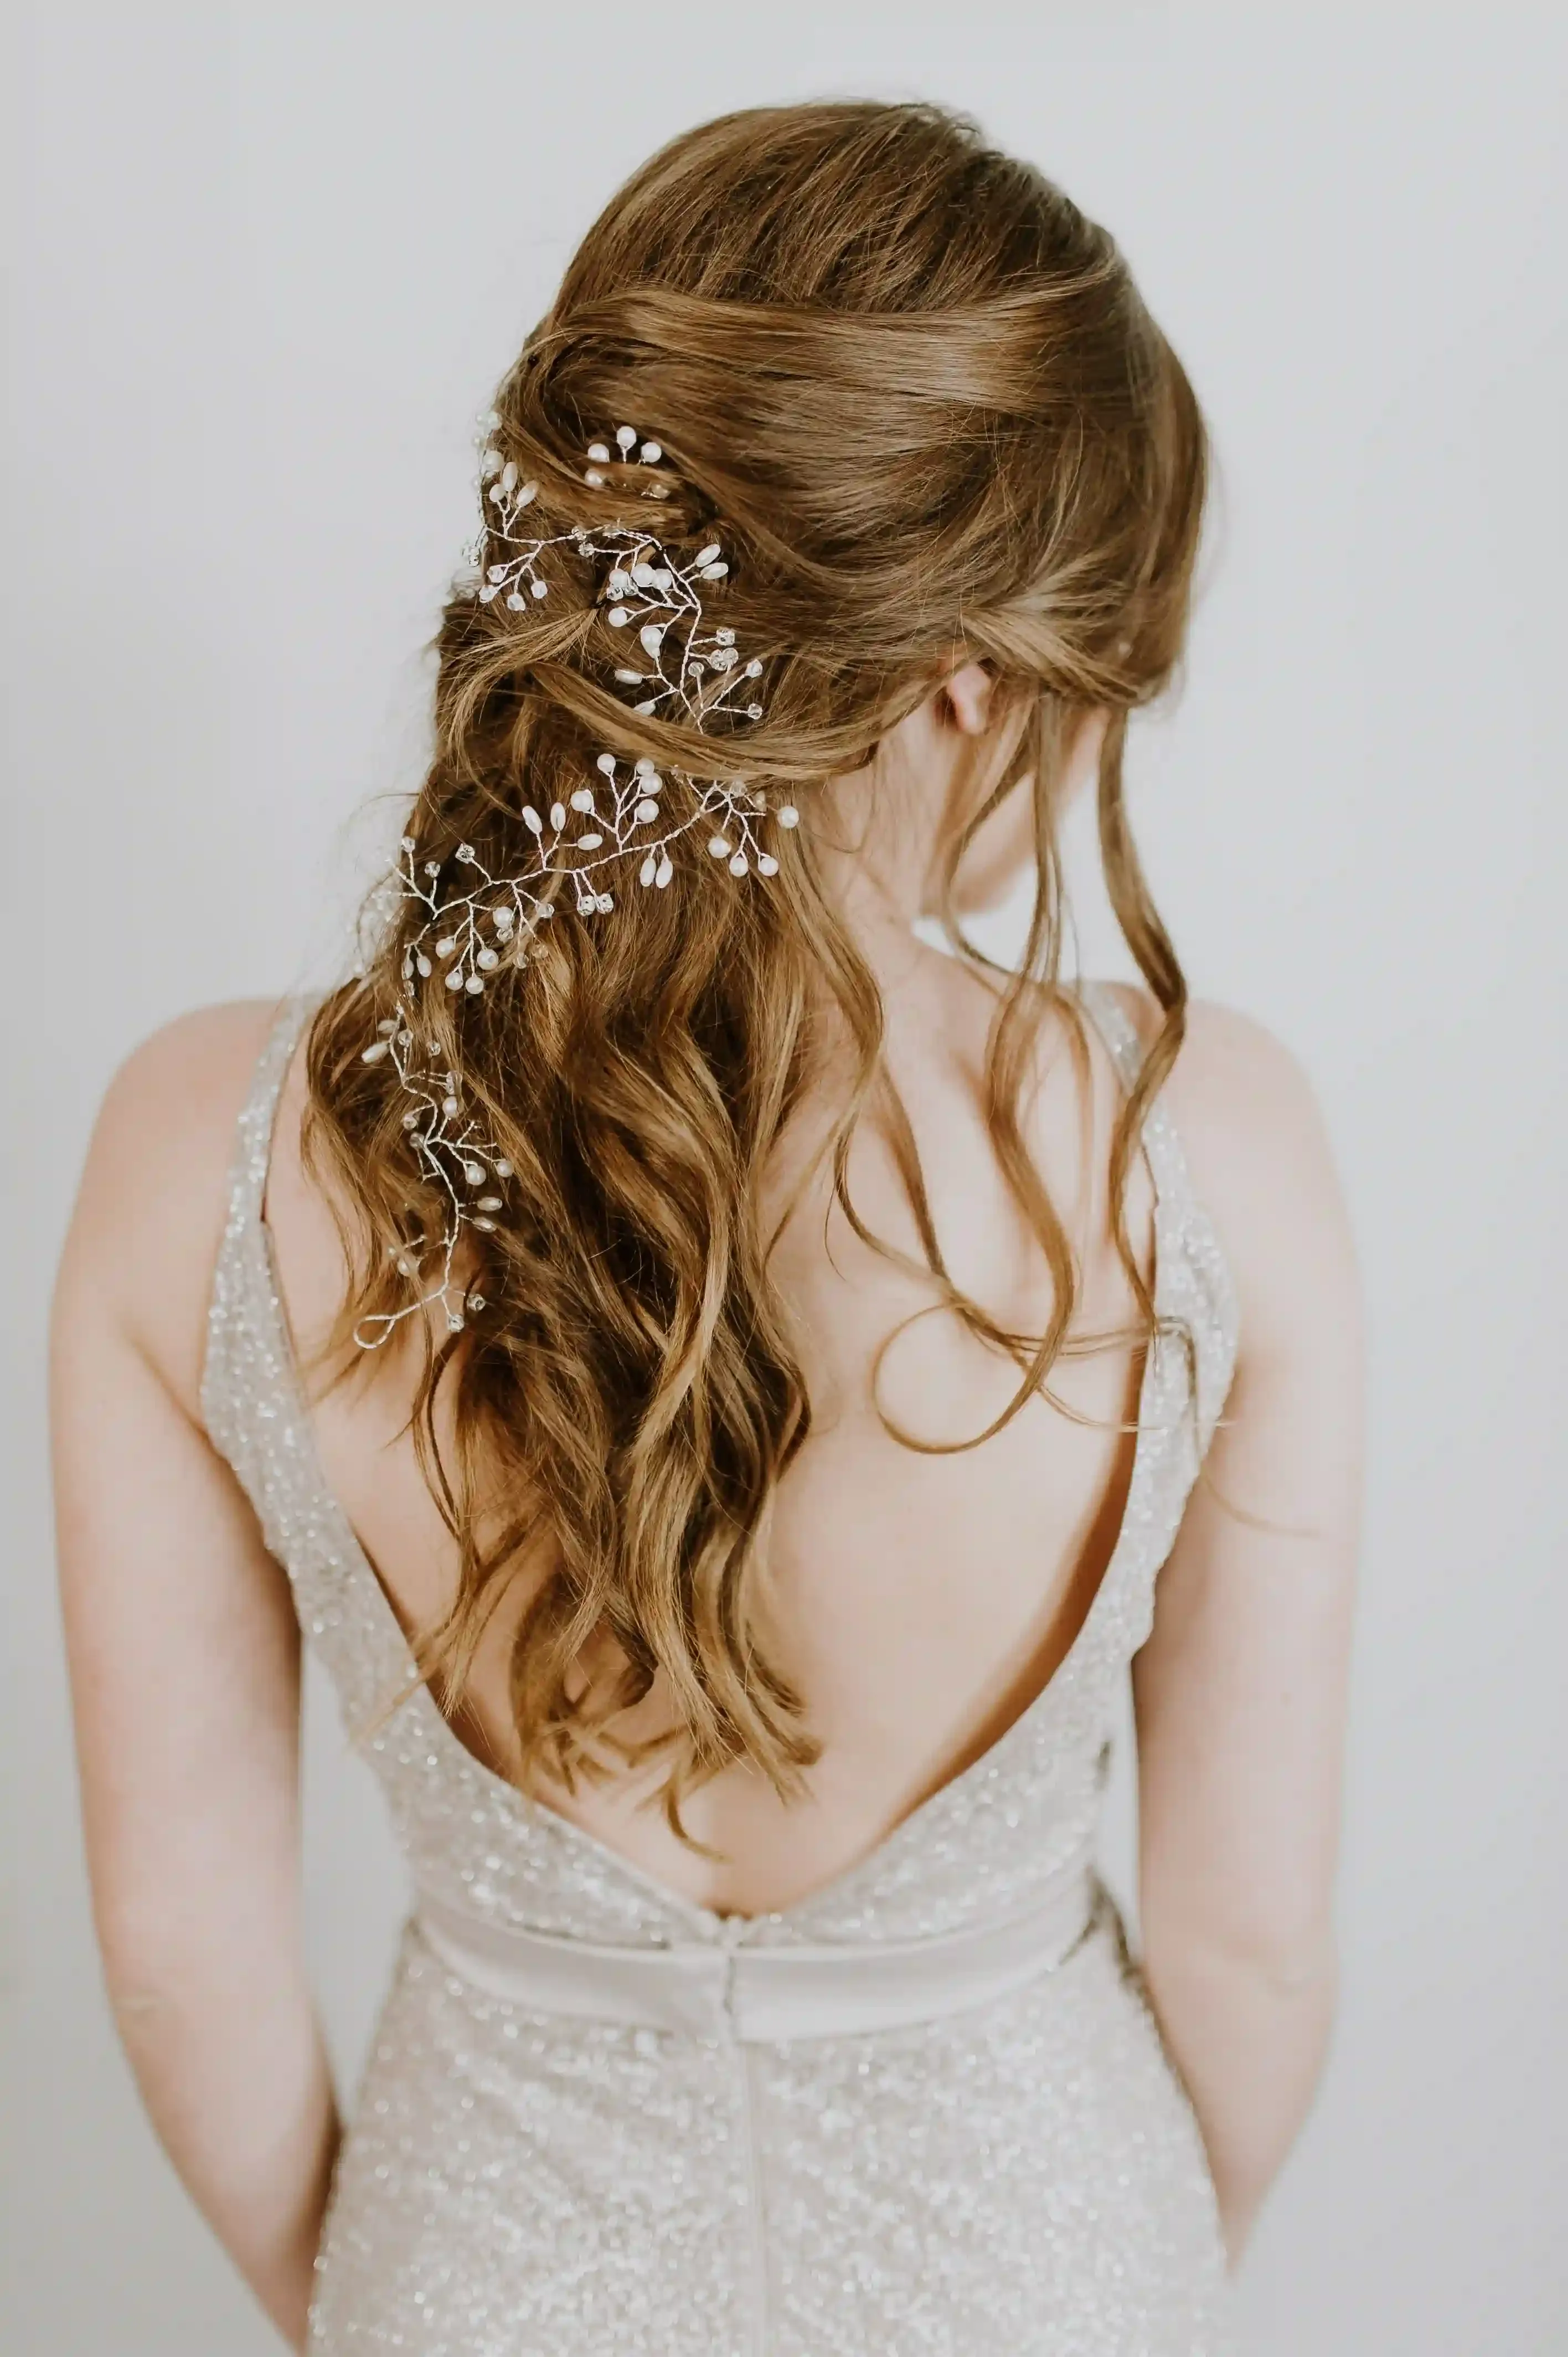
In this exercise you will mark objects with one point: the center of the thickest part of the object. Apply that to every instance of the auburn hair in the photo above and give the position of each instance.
(922, 395)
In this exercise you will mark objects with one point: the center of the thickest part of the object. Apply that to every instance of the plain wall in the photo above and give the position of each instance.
(269, 262)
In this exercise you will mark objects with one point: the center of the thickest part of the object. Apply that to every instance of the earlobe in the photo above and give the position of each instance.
(967, 695)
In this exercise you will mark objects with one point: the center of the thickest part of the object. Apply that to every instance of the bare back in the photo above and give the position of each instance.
(921, 1600)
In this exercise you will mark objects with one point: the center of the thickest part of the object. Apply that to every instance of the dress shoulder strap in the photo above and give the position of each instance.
(257, 1416)
(1162, 1144)
(253, 1139)
(1194, 1280)
(242, 1279)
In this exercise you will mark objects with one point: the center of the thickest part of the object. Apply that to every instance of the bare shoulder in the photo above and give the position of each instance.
(1261, 1163)
(150, 1206)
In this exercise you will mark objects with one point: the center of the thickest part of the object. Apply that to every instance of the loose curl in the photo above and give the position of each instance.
(919, 391)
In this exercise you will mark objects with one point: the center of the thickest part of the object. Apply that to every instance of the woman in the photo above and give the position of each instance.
(718, 1377)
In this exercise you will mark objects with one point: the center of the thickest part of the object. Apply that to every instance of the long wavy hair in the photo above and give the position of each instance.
(922, 393)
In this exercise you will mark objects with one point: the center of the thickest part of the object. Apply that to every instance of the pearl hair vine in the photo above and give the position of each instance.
(478, 924)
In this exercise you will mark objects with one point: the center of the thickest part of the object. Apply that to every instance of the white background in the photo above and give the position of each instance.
(270, 260)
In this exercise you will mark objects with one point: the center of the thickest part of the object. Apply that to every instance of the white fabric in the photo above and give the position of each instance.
(761, 1995)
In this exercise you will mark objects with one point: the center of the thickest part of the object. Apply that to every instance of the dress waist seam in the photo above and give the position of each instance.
(728, 1990)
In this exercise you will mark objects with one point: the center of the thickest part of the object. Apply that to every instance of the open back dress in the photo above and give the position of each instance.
(924, 2110)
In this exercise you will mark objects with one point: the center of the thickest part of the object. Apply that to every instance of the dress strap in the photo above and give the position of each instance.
(254, 1138)
(243, 1266)
(1193, 1278)
(1162, 1145)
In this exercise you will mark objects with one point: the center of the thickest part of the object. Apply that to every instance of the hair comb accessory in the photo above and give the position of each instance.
(476, 923)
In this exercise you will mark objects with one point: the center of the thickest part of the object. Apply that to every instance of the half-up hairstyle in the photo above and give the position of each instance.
(919, 394)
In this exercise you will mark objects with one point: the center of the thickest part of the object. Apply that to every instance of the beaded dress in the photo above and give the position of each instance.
(924, 2110)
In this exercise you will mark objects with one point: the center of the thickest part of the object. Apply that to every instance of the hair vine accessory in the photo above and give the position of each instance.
(478, 923)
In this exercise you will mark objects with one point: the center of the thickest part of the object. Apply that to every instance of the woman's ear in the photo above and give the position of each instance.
(967, 699)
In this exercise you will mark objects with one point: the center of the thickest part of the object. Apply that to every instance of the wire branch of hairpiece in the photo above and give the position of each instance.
(476, 923)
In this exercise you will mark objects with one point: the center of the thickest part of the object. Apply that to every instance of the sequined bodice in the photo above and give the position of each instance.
(992, 1843)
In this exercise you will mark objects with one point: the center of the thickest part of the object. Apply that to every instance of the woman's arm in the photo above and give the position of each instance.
(185, 1675)
(1240, 1690)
